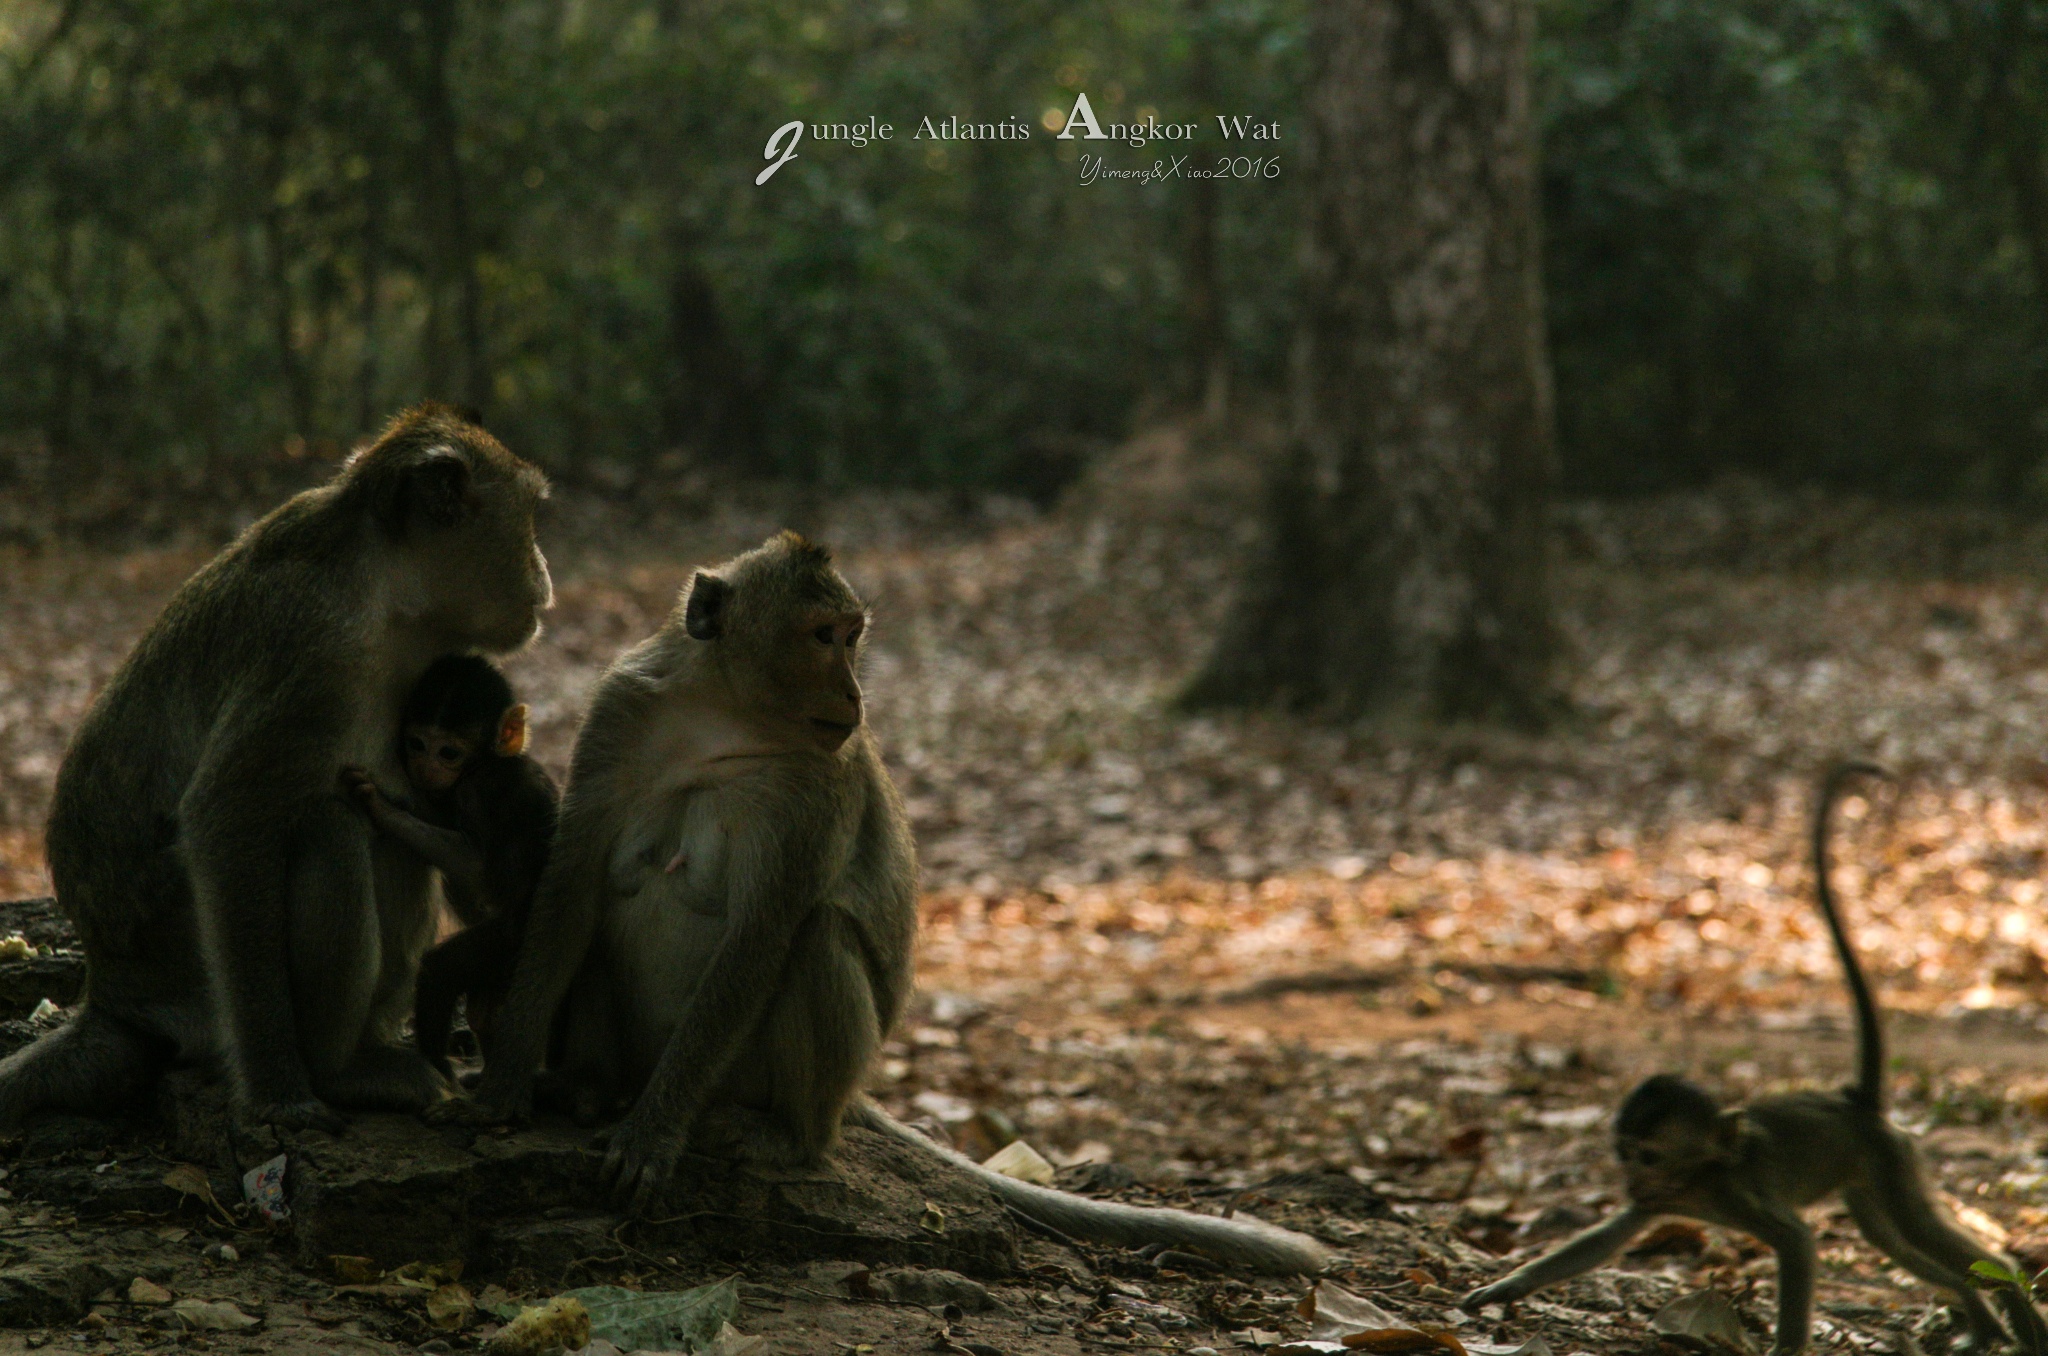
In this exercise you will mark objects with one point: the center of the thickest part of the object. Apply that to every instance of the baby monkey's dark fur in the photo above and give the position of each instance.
(1754, 1168)
(482, 813)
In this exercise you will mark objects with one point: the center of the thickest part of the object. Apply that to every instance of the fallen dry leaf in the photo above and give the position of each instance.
(1705, 1318)
(212, 1315)
(451, 1307)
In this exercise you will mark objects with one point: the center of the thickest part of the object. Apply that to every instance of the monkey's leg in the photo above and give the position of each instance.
(1784, 1233)
(341, 981)
(332, 942)
(92, 1065)
(1578, 1255)
(1901, 1222)
(447, 972)
(491, 979)
(585, 1075)
(812, 1049)
(383, 1072)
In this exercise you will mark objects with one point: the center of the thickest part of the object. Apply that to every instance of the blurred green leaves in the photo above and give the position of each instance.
(1792, 237)
(238, 225)
(1781, 242)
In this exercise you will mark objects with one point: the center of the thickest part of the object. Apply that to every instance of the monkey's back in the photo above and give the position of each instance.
(114, 833)
(507, 806)
(1808, 1145)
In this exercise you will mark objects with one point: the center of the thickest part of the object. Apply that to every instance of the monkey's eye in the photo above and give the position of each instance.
(823, 635)
(415, 745)
(853, 636)
(449, 753)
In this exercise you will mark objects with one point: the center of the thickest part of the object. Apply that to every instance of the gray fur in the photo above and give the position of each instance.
(730, 910)
(1754, 1168)
(235, 910)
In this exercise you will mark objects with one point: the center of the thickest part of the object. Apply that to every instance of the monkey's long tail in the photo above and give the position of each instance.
(1247, 1242)
(1869, 1087)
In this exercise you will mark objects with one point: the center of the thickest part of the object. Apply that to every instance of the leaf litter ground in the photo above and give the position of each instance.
(1184, 958)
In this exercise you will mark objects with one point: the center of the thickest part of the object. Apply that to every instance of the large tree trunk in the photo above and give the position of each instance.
(1405, 572)
(710, 404)
(455, 253)
(1202, 317)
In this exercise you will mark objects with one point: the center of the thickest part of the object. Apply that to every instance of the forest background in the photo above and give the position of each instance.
(1803, 240)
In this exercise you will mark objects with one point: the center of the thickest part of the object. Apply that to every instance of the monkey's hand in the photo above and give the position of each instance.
(1500, 1292)
(637, 1161)
(357, 784)
(308, 1113)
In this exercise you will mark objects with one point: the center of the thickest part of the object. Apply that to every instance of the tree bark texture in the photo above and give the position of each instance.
(1405, 570)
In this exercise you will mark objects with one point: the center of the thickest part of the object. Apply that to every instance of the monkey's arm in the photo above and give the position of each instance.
(1779, 1228)
(446, 850)
(776, 874)
(1581, 1254)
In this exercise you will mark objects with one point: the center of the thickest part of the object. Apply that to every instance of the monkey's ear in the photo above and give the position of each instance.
(512, 731)
(437, 484)
(704, 613)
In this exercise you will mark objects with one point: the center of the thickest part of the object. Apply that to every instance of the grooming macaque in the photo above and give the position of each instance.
(483, 814)
(270, 934)
(1754, 1168)
(731, 904)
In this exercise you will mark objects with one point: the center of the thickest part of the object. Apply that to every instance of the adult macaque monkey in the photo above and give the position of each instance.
(1754, 1168)
(731, 905)
(235, 909)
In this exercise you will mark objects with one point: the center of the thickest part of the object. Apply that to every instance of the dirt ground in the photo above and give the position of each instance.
(1473, 1130)
(1186, 956)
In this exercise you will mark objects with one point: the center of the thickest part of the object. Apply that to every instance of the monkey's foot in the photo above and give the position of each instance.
(637, 1162)
(308, 1114)
(583, 1100)
(756, 1137)
(389, 1078)
(472, 1112)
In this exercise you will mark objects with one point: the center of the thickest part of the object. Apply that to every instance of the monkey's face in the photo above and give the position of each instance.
(1664, 1163)
(479, 560)
(504, 577)
(785, 632)
(823, 662)
(434, 757)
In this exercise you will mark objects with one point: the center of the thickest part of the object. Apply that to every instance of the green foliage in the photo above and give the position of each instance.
(1992, 1276)
(1780, 242)
(1803, 238)
(228, 225)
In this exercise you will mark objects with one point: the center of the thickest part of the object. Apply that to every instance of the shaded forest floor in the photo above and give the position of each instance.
(1207, 951)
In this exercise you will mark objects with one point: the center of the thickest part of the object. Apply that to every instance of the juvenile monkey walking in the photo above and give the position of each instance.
(1754, 1168)
(483, 814)
(731, 907)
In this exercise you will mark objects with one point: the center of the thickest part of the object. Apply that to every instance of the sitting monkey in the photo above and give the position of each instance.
(236, 912)
(729, 916)
(483, 814)
(1754, 1168)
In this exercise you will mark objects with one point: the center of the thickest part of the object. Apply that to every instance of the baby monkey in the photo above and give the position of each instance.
(1753, 1168)
(482, 813)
